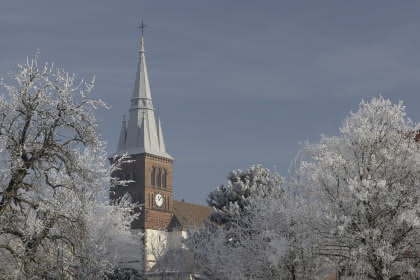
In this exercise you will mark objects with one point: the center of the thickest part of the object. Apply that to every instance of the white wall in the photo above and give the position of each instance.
(158, 242)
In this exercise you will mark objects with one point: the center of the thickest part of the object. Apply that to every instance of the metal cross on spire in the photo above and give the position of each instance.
(142, 26)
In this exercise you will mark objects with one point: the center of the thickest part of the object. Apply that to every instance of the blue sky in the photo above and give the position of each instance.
(236, 82)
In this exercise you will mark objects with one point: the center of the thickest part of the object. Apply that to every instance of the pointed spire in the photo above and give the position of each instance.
(142, 97)
(142, 133)
(160, 136)
(123, 134)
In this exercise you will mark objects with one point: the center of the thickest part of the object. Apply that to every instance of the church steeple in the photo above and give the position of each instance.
(150, 166)
(143, 134)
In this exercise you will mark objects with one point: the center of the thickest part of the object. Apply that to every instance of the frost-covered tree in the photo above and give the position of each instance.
(353, 209)
(230, 202)
(367, 183)
(265, 238)
(53, 170)
(273, 242)
(106, 244)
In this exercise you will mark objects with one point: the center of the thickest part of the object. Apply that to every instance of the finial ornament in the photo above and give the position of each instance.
(142, 26)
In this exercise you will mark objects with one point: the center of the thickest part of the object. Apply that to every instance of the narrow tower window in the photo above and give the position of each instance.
(153, 176)
(158, 177)
(164, 178)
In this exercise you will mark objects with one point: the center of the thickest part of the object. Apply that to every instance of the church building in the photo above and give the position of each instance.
(163, 219)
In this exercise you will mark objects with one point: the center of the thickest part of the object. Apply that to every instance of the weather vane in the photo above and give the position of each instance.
(142, 26)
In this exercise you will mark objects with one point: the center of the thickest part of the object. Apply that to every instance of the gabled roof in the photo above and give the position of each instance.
(188, 215)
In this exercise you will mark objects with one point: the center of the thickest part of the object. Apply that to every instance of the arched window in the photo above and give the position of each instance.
(164, 178)
(153, 176)
(158, 177)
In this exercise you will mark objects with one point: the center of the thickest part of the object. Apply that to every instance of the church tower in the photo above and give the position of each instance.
(163, 220)
(141, 137)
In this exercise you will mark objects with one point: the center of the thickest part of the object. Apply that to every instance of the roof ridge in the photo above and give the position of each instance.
(191, 203)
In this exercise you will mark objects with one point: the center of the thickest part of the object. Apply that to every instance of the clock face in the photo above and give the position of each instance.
(159, 200)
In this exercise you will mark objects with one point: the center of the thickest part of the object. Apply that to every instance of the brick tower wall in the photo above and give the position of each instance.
(143, 192)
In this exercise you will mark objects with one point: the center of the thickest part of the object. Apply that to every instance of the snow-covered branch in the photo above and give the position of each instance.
(53, 175)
